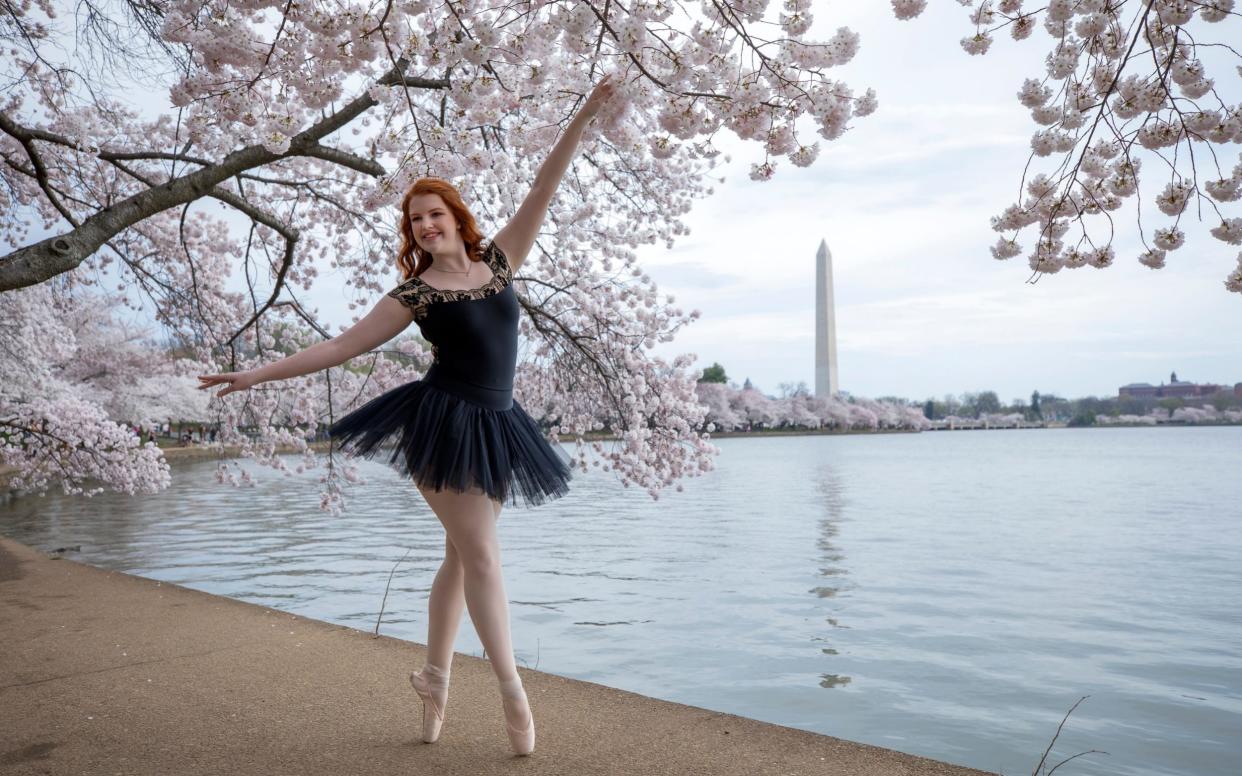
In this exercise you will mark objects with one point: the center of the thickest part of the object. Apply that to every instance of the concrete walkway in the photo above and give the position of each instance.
(106, 673)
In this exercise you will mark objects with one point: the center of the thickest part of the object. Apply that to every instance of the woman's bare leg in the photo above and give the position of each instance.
(469, 519)
(445, 607)
(447, 603)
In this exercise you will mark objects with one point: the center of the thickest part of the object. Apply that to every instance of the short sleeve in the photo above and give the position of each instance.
(497, 260)
(410, 294)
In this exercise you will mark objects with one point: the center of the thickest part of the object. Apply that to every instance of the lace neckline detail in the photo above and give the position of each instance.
(435, 290)
(418, 295)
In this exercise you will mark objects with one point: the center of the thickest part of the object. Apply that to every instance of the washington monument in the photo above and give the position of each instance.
(825, 325)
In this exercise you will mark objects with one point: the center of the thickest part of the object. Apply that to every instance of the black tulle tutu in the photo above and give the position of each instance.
(446, 442)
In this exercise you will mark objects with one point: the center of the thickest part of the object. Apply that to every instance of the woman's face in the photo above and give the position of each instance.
(435, 229)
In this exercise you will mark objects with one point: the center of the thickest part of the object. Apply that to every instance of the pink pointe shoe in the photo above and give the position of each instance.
(429, 683)
(521, 739)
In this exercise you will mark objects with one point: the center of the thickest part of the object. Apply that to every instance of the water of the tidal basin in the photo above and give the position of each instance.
(948, 594)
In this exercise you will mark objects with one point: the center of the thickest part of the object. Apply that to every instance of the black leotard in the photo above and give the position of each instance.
(459, 427)
(473, 333)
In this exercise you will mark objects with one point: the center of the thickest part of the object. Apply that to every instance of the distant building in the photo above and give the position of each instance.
(1176, 389)
(1138, 391)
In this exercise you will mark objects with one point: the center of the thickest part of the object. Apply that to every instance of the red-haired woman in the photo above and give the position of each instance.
(457, 432)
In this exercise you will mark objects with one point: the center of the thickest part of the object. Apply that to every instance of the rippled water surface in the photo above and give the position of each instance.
(946, 594)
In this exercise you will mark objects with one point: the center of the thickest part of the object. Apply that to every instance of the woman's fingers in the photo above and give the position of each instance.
(209, 381)
(599, 94)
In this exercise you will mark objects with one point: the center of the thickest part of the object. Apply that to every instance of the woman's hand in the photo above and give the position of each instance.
(598, 96)
(238, 381)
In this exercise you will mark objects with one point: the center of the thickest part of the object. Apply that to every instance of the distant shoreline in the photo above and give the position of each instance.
(197, 452)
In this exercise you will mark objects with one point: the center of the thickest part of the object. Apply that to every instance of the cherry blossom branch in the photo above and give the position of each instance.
(52, 256)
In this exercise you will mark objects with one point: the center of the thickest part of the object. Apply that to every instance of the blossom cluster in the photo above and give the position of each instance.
(76, 381)
(1119, 78)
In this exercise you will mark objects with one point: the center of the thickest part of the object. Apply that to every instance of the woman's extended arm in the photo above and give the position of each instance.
(517, 237)
(386, 320)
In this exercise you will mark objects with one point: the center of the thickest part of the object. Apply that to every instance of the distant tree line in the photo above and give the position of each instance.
(1076, 412)
(1045, 407)
(731, 407)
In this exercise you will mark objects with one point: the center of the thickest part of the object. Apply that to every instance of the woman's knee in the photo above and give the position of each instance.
(452, 560)
(479, 559)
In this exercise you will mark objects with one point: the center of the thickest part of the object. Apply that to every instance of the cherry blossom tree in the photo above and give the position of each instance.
(58, 390)
(122, 369)
(794, 411)
(754, 408)
(1126, 81)
(1127, 420)
(719, 414)
(293, 128)
(832, 412)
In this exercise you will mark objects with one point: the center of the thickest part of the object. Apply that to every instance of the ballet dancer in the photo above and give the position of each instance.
(458, 433)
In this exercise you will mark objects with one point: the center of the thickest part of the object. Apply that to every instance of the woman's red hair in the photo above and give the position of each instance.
(414, 260)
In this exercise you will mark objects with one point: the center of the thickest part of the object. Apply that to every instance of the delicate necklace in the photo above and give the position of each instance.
(466, 271)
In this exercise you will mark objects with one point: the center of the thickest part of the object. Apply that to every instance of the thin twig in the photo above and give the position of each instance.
(1039, 766)
(390, 574)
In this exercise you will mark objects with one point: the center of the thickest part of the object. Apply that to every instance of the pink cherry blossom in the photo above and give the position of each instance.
(1127, 74)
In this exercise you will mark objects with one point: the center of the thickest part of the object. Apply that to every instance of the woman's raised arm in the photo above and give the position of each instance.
(517, 237)
(386, 320)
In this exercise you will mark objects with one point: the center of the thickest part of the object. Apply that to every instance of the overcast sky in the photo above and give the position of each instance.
(903, 200)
